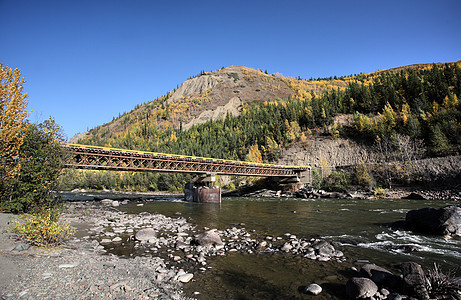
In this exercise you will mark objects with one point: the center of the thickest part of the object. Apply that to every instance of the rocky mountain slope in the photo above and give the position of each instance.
(212, 95)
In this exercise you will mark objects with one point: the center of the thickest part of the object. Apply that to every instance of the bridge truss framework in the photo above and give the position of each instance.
(101, 158)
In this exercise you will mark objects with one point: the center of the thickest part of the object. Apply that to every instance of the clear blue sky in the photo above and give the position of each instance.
(87, 61)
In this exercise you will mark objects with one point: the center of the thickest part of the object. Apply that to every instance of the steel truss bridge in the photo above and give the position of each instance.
(103, 158)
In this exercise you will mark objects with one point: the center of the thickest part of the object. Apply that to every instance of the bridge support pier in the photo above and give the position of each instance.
(202, 190)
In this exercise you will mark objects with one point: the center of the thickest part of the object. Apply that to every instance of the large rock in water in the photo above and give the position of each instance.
(442, 221)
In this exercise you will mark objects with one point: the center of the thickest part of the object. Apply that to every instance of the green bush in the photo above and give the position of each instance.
(337, 181)
(41, 158)
(316, 178)
(363, 176)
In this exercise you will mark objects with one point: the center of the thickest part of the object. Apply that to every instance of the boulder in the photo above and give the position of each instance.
(146, 234)
(210, 237)
(442, 221)
(375, 273)
(324, 248)
(414, 279)
(361, 288)
(313, 289)
(415, 196)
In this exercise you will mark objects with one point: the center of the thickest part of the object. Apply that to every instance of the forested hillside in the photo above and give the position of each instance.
(419, 103)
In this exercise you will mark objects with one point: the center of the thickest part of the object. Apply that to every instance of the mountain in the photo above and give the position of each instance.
(209, 95)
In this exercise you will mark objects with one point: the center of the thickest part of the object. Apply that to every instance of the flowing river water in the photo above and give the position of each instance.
(356, 227)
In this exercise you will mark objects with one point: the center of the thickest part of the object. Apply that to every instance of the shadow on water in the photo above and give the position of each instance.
(252, 287)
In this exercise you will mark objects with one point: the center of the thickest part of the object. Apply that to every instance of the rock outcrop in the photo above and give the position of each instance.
(442, 221)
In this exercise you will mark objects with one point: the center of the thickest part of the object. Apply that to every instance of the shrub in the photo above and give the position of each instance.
(337, 181)
(440, 285)
(316, 178)
(363, 176)
(41, 158)
(42, 228)
(380, 192)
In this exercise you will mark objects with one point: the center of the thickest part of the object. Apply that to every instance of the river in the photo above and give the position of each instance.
(356, 227)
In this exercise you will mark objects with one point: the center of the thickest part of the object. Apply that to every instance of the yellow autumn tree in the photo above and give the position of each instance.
(13, 103)
(254, 155)
(406, 113)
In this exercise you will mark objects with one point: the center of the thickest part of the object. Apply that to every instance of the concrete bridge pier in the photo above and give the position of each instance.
(294, 183)
(202, 189)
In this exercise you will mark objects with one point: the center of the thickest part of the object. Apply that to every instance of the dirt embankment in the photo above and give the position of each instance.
(340, 152)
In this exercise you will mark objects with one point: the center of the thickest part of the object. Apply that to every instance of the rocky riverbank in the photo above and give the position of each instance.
(115, 255)
(156, 255)
(81, 269)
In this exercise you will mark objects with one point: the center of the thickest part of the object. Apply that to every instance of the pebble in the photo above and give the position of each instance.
(67, 266)
(185, 278)
(313, 289)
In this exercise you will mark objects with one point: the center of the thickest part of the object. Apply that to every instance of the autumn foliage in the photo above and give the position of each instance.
(13, 103)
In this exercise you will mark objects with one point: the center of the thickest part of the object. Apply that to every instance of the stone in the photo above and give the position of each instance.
(67, 266)
(339, 253)
(415, 196)
(313, 289)
(116, 239)
(442, 221)
(384, 292)
(22, 247)
(106, 201)
(115, 203)
(262, 245)
(185, 278)
(361, 288)
(375, 273)
(394, 296)
(324, 248)
(146, 234)
(287, 247)
(210, 237)
(414, 279)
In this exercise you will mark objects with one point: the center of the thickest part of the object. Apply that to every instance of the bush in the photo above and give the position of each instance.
(316, 178)
(337, 181)
(363, 176)
(43, 228)
(440, 285)
(41, 158)
(380, 192)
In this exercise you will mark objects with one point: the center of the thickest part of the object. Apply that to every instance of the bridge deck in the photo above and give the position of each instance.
(103, 158)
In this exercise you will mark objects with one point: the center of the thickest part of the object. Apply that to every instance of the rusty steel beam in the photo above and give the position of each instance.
(99, 158)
